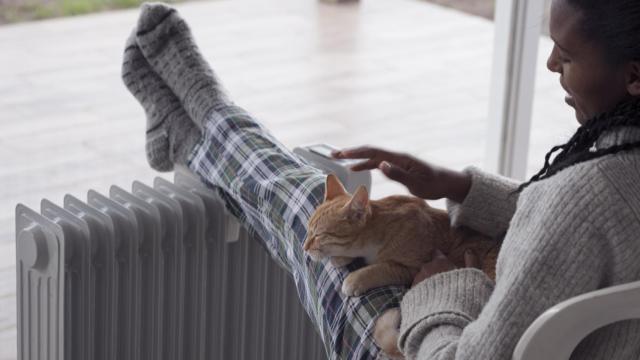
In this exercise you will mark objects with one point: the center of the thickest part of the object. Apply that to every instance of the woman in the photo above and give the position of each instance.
(565, 236)
(570, 230)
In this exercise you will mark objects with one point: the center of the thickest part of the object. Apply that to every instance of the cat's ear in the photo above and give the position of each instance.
(333, 188)
(358, 206)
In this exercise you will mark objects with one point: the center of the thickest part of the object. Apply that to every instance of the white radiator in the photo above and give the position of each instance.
(160, 272)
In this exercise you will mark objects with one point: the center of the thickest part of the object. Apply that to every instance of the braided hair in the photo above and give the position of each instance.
(579, 148)
(615, 26)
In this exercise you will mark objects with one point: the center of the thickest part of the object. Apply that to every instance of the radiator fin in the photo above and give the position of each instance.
(162, 272)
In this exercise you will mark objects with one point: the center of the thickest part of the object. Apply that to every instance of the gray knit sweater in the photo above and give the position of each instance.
(575, 232)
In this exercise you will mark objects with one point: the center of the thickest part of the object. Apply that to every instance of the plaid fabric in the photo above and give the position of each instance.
(274, 192)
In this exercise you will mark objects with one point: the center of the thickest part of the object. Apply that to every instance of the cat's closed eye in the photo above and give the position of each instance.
(325, 238)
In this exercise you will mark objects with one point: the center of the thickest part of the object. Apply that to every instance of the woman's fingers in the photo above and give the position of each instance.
(439, 263)
(395, 166)
(471, 259)
(362, 152)
(394, 172)
(437, 254)
(365, 152)
(365, 165)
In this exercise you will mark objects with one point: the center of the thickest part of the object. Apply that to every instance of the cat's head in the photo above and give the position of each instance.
(334, 226)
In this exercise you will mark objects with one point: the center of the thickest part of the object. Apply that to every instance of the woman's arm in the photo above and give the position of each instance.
(422, 179)
(487, 206)
(552, 251)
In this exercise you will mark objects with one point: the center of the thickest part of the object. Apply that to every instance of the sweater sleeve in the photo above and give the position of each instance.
(543, 261)
(488, 207)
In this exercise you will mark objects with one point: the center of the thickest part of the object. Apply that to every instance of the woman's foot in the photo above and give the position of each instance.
(171, 135)
(166, 42)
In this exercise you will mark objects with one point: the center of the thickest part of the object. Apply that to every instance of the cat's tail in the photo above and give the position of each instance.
(386, 332)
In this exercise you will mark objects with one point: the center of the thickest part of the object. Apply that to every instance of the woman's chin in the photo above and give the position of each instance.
(579, 117)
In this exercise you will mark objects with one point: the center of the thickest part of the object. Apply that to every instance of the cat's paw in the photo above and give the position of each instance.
(340, 261)
(352, 287)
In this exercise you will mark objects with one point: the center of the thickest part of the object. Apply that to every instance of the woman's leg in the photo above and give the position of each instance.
(274, 193)
(271, 190)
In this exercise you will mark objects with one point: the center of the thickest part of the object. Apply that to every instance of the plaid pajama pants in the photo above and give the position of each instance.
(274, 192)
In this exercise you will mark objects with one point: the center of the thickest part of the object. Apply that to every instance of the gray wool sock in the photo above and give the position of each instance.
(167, 43)
(171, 135)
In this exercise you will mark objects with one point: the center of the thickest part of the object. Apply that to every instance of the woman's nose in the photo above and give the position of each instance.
(552, 62)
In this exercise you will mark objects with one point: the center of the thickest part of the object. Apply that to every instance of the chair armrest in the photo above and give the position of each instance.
(556, 333)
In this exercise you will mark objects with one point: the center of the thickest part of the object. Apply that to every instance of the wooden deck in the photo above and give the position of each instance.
(404, 74)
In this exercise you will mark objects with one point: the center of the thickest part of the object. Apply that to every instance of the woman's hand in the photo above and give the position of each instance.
(423, 180)
(440, 263)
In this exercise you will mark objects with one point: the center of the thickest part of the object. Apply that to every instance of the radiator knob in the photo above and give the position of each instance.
(32, 247)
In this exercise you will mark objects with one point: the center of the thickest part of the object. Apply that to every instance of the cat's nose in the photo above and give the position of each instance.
(308, 243)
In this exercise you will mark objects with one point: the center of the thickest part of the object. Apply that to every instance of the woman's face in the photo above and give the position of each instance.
(592, 85)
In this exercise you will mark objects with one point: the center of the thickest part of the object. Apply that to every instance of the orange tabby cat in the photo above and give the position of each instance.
(395, 235)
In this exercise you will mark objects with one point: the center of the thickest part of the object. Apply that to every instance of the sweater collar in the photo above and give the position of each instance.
(618, 136)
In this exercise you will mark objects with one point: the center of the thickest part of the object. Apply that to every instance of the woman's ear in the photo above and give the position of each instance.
(633, 84)
(333, 188)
